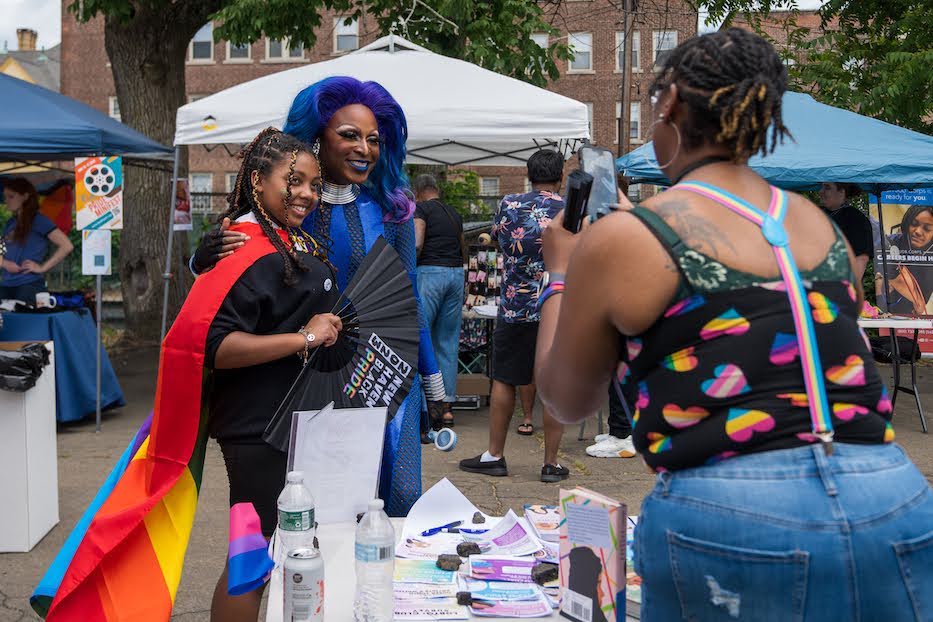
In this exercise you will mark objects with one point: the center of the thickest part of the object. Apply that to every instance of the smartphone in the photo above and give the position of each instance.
(575, 199)
(600, 164)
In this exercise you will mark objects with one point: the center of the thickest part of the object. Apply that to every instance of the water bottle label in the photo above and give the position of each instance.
(296, 521)
(374, 553)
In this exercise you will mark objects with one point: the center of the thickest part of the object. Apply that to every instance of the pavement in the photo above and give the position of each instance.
(85, 458)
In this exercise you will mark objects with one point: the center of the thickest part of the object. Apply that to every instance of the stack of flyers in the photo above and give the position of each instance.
(506, 600)
(507, 537)
(425, 592)
(501, 568)
(428, 547)
(545, 521)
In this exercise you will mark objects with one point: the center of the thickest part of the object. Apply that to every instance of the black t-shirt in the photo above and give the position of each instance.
(443, 227)
(856, 227)
(242, 401)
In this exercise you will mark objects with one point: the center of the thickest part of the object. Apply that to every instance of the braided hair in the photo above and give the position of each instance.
(732, 82)
(265, 152)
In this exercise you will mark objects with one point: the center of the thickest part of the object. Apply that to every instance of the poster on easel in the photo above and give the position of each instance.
(99, 192)
(907, 244)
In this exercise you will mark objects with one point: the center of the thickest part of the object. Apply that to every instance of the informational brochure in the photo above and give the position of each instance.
(422, 571)
(501, 568)
(507, 537)
(428, 547)
(537, 608)
(425, 591)
(500, 590)
(428, 611)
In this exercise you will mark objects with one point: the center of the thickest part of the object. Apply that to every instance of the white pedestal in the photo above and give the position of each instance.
(28, 462)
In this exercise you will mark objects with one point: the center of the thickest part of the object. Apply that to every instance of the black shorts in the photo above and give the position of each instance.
(513, 352)
(256, 472)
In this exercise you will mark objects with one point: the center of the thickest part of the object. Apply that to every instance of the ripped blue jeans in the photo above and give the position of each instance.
(789, 535)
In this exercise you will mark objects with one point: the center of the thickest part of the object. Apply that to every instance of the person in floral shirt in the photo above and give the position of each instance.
(517, 227)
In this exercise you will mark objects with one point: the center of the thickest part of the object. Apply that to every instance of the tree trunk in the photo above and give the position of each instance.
(147, 55)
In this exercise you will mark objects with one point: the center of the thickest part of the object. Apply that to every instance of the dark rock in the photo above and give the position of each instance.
(542, 572)
(478, 518)
(449, 562)
(465, 549)
(316, 545)
(464, 598)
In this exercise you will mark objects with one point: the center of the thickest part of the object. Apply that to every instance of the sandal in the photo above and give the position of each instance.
(526, 429)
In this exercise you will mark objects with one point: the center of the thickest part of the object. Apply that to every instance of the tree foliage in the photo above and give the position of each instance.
(871, 56)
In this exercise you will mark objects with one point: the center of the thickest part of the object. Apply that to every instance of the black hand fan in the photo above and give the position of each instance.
(375, 358)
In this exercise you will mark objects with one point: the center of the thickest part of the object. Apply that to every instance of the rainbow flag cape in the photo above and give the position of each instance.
(123, 561)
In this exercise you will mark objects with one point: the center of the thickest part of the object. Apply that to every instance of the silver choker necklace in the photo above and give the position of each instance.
(337, 194)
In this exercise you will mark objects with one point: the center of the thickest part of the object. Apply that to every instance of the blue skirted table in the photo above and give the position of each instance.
(75, 337)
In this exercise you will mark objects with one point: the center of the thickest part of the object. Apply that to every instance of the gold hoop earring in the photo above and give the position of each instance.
(661, 119)
(258, 202)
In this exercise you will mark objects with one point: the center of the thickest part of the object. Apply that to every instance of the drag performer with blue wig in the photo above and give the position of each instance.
(358, 131)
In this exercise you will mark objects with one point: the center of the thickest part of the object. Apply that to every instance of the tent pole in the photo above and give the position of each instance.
(884, 250)
(167, 275)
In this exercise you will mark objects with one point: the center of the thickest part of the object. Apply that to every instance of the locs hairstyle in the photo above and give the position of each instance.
(315, 105)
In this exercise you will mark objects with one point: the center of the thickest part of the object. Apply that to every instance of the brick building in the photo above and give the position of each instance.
(592, 27)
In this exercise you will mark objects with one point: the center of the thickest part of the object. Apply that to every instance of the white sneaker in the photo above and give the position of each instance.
(612, 447)
(599, 438)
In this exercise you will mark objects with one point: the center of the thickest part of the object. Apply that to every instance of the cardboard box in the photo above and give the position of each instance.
(29, 461)
(473, 384)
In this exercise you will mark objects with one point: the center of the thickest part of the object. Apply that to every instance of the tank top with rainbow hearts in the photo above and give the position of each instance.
(720, 373)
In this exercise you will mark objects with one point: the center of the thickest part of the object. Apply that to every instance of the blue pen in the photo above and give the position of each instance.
(434, 530)
(473, 531)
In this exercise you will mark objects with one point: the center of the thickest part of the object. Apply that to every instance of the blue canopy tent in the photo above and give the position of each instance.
(40, 125)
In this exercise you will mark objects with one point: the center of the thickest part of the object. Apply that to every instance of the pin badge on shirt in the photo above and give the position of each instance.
(328, 284)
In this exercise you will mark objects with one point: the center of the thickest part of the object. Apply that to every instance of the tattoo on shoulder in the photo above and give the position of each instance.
(696, 231)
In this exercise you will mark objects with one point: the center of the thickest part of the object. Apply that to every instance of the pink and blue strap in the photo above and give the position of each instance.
(772, 227)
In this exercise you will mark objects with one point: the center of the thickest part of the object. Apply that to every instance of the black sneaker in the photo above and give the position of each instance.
(496, 468)
(554, 473)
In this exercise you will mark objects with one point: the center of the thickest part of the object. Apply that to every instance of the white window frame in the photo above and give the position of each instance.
(537, 36)
(197, 203)
(113, 107)
(248, 59)
(286, 53)
(482, 186)
(229, 182)
(634, 119)
(656, 37)
(340, 25)
(589, 119)
(201, 61)
(636, 50)
(573, 38)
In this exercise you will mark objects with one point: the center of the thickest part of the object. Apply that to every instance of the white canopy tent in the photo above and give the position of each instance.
(457, 113)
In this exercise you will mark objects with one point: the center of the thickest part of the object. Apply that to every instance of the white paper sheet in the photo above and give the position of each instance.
(441, 504)
(339, 451)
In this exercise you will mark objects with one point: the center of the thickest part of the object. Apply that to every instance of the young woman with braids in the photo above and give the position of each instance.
(727, 310)
(359, 132)
(275, 312)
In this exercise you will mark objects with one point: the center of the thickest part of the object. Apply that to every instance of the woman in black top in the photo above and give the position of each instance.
(439, 241)
(273, 315)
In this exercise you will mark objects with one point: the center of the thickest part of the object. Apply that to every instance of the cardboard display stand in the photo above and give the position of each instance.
(29, 455)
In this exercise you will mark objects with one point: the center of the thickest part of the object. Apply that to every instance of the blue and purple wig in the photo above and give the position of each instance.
(315, 105)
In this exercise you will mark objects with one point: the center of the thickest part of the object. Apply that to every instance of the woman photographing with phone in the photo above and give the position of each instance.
(730, 311)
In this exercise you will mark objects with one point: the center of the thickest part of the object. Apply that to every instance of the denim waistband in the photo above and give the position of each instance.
(808, 461)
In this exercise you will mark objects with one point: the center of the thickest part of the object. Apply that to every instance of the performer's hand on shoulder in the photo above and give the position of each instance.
(217, 244)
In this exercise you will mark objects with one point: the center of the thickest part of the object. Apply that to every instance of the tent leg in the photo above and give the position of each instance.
(167, 275)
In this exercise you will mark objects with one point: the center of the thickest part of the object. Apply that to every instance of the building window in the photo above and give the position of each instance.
(201, 47)
(238, 53)
(634, 192)
(489, 186)
(281, 50)
(634, 121)
(113, 107)
(541, 38)
(589, 119)
(664, 42)
(620, 50)
(581, 45)
(201, 184)
(346, 34)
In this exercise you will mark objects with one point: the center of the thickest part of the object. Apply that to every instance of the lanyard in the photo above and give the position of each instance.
(772, 227)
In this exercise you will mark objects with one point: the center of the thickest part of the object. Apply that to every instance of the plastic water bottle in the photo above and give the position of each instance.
(375, 566)
(296, 514)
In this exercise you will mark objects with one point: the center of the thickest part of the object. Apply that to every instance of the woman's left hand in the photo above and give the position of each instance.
(558, 244)
(32, 267)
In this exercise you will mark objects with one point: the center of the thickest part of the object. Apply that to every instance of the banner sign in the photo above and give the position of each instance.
(99, 192)
(95, 252)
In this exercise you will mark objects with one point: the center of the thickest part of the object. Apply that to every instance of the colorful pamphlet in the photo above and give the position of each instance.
(421, 571)
(500, 590)
(545, 521)
(428, 547)
(537, 608)
(507, 537)
(592, 555)
(501, 568)
(425, 591)
(429, 611)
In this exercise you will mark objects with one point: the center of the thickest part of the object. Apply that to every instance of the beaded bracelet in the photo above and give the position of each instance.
(557, 287)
